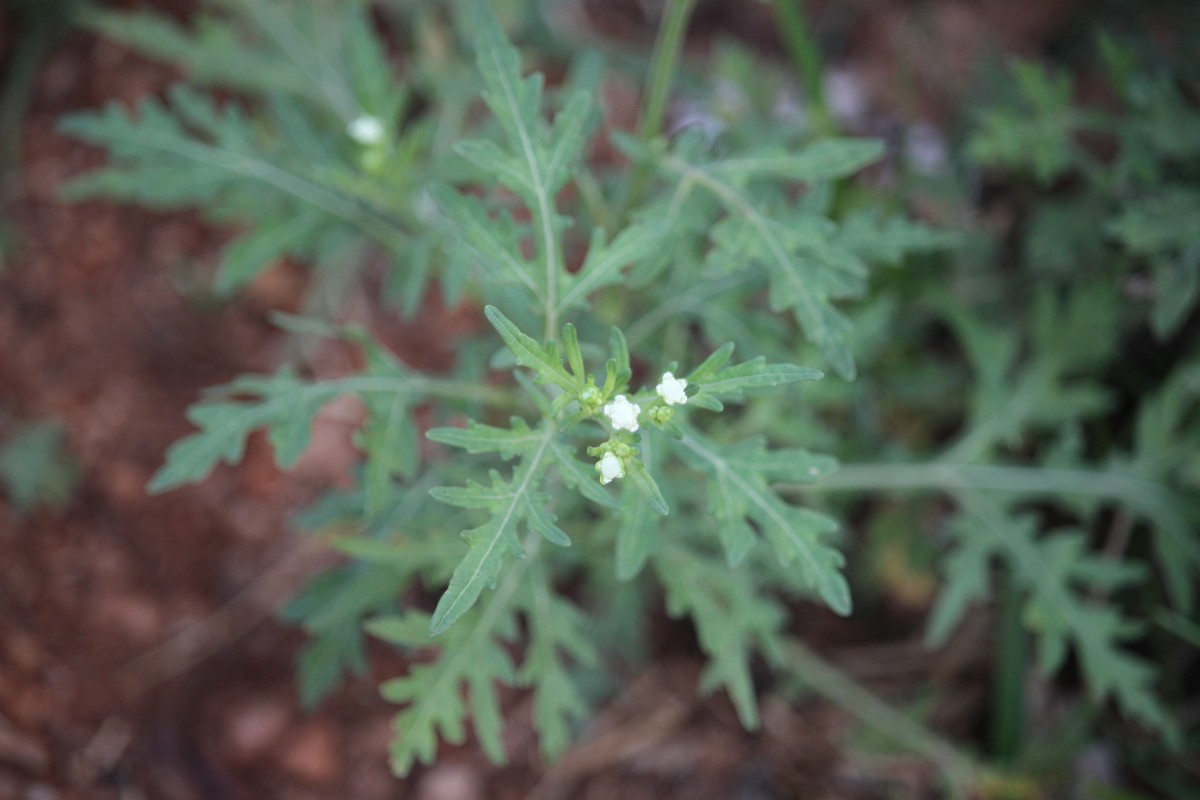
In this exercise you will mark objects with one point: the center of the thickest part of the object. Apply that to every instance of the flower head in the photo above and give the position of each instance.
(671, 390)
(622, 413)
(366, 130)
(610, 467)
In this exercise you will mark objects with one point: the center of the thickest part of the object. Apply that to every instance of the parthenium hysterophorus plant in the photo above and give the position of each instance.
(600, 465)
(687, 246)
(625, 453)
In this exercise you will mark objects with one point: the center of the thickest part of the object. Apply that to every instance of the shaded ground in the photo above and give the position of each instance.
(138, 652)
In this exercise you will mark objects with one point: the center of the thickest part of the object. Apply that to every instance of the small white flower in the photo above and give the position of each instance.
(366, 130)
(671, 390)
(611, 467)
(622, 413)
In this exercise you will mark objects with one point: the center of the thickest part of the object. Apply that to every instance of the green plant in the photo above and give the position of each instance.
(655, 463)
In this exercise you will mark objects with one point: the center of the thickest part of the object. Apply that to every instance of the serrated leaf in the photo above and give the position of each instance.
(190, 152)
(648, 487)
(474, 494)
(479, 438)
(733, 382)
(799, 536)
(493, 542)
(732, 618)
(544, 361)
(285, 406)
(541, 521)
(558, 632)
(752, 235)
(637, 243)
(823, 160)
(433, 696)
(493, 240)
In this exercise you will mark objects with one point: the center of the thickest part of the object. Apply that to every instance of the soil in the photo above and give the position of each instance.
(139, 652)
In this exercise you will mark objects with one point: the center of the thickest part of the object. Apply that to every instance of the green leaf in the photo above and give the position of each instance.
(493, 542)
(544, 361)
(541, 521)
(248, 255)
(1036, 132)
(716, 381)
(558, 633)
(738, 493)
(479, 438)
(574, 356)
(733, 619)
(1049, 569)
(190, 152)
(825, 159)
(437, 694)
(638, 243)
(539, 159)
(648, 487)
(806, 269)
(284, 405)
(637, 536)
(492, 240)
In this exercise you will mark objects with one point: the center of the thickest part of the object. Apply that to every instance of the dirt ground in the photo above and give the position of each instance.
(139, 652)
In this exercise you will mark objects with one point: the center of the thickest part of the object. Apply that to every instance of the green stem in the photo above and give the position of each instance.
(1147, 498)
(664, 62)
(802, 47)
(946, 476)
(818, 675)
(1008, 683)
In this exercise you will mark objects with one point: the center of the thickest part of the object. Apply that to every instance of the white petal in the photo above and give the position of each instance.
(611, 467)
(671, 390)
(365, 130)
(622, 413)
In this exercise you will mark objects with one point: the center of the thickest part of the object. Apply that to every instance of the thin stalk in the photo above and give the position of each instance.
(947, 476)
(818, 675)
(1008, 680)
(665, 60)
(802, 47)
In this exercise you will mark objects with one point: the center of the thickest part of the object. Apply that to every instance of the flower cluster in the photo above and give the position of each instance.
(623, 415)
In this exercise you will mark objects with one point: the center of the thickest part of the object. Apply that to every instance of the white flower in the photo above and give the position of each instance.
(610, 467)
(671, 390)
(366, 130)
(622, 413)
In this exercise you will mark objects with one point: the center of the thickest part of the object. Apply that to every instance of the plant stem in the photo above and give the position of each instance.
(1008, 681)
(823, 678)
(802, 47)
(946, 476)
(664, 61)
(1148, 498)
